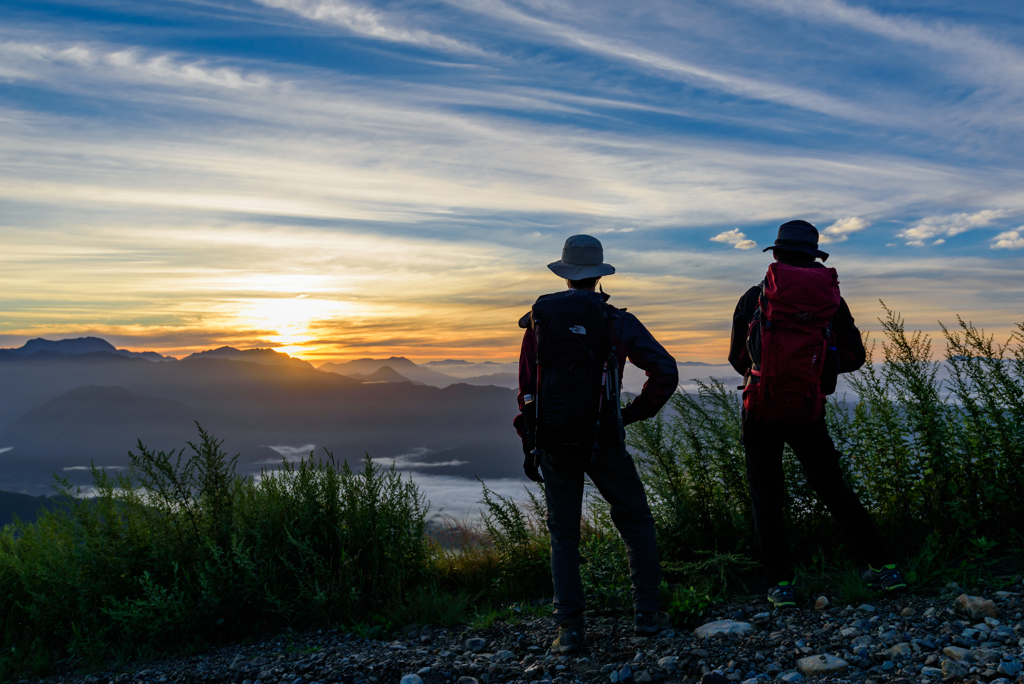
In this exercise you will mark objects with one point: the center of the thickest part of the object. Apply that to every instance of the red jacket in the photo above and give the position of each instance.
(632, 341)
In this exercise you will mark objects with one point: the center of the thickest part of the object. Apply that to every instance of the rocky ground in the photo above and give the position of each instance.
(897, 639)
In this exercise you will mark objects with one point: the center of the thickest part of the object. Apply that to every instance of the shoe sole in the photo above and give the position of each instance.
(781, 604)
(648, 631)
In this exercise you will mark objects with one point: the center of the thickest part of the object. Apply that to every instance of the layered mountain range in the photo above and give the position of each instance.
(72, 403)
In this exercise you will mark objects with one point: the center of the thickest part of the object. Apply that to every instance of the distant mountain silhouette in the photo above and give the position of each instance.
(460, 362)
(24, 506)
(265, 356)
(76, 346)
(383, 374)
(510, 380)
(60, 412)
(405, 367)
(105, 422)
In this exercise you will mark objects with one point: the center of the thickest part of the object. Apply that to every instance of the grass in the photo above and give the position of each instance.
(180, 553)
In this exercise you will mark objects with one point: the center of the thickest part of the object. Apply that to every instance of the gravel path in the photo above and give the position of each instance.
(894, 640)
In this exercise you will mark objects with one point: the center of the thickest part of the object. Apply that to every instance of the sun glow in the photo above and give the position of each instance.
(290, 321)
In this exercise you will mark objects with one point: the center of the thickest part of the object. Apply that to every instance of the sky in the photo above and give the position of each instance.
(340, 179)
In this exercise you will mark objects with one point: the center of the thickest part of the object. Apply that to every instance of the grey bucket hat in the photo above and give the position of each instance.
(582, 257)
(798, 236)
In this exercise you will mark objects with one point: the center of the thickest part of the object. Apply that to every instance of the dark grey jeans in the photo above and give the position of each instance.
(618, 483)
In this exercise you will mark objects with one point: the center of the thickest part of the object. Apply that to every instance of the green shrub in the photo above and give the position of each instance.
(180, 552)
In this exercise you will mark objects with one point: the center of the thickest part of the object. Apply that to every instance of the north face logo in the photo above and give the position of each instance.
(578, 330)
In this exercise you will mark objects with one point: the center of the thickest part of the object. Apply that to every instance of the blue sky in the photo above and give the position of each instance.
(343, 179)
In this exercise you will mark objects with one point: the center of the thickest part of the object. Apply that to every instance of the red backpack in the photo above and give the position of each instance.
(788, 340)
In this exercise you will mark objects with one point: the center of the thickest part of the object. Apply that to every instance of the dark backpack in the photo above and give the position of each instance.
(577, 402)
(791, 345)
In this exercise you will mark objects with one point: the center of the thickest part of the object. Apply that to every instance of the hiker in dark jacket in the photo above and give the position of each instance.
(609, 467)
(763, 440)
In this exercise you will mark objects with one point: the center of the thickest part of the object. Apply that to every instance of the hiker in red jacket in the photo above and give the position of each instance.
(570, 369)
(791, 337)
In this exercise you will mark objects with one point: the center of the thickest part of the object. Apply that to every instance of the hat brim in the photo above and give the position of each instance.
(806, 249)
(580, 271)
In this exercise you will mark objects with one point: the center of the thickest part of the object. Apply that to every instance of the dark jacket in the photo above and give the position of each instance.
(632, 341)
(848, 340)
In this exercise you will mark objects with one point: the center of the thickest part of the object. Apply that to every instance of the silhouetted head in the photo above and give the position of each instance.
(584, 284)
(798, 237)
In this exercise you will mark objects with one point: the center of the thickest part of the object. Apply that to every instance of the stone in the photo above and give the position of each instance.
(822, 603)
(861, 641)
(953, 669)
(931, 672)
(908, 612)
(752, 680)
(407, 679)
(992, 623)
(467, 680)
(625, 674)
(614, 677)
(669, 663)
(986, 655)
(930, 611)
(901, 650)
(423, 671)
(1009, 668)
(533, 672)
(955, 652)
(975, 607)
(791, 677)
(822, 665)
(476, 644)
(866, 608)
(722, 627)
(643, 677)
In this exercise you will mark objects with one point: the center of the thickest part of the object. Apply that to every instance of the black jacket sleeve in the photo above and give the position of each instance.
(849, 343)
(647, 354)
(738, 356)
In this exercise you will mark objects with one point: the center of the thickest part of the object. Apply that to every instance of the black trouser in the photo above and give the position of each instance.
(616, 479)
(763, 443)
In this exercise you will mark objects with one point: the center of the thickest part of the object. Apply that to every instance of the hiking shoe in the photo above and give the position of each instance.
(782, 595)
(570, 636)
(650, 623)
(887, 578)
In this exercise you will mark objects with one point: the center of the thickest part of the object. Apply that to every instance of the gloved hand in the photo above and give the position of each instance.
(531, 467)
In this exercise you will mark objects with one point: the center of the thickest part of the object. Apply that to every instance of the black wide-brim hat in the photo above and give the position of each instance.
(798, 236)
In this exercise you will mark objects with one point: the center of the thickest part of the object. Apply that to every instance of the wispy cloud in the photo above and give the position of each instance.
(371, 23)
(77, 468)
(735, 238)
(841, 230)
(993, 57)
(947, 226)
